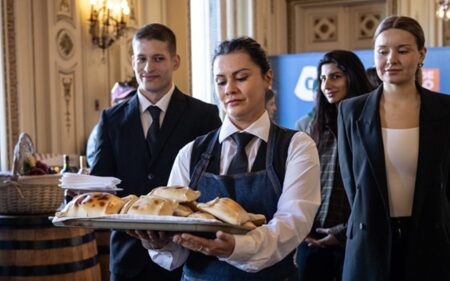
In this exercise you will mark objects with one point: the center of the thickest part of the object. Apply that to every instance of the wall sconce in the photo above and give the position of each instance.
(443, 10)
(108, 21)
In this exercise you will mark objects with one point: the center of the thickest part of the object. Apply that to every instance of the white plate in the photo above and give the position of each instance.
(100, 188)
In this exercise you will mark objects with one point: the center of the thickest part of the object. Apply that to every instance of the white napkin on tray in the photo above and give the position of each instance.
(86, 182)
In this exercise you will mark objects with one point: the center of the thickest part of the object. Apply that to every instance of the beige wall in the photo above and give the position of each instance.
(178, 21)
(58, 96)
(175, 14)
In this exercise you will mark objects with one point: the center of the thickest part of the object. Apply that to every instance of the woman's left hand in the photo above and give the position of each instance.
(151, 240)
(222, 246)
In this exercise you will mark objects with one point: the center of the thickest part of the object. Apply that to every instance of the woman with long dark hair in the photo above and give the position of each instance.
(320, 256)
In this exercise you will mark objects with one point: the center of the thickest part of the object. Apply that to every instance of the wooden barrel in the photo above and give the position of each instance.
(32, 249)
(102, 236)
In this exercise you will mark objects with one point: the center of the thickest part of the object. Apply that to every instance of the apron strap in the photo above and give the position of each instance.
(276, 183)
(204, 161)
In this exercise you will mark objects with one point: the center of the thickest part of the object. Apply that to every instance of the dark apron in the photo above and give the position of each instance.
(257, 191)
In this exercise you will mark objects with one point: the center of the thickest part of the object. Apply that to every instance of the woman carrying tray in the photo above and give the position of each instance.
(277, 175)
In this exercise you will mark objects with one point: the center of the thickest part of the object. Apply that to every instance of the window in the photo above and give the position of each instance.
(204, 25)
(213, 21)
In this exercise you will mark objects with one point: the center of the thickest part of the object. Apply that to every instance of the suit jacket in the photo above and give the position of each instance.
(122, 152)
(361, 158)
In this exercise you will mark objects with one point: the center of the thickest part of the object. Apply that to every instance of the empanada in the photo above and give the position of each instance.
(202, 215)
(152, 205)
(182, 211)
(257, 219)
(92, 204)
(177, 193)
(129, 201)
(249, 225)
(226, 210)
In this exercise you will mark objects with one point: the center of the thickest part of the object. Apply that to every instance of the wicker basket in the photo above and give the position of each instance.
(30, 194)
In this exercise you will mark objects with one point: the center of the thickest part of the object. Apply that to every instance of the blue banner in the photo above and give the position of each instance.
(295, 79)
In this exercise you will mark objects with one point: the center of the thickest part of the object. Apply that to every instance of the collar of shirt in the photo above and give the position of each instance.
(259, 128)
(144, 103)
(163, 103)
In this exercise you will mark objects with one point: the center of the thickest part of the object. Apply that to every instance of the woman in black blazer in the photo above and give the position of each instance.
(394, 154)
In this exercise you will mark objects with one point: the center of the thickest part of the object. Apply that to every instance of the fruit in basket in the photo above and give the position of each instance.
(26, 168)
(35, 171)
(34, 167)
(31, 160)
(41, 165)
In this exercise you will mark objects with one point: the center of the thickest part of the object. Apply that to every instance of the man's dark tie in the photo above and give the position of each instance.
(153, 131)
(239, 163)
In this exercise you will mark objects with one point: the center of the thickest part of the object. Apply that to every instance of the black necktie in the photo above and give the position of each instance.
(153, 131)
(239, 163)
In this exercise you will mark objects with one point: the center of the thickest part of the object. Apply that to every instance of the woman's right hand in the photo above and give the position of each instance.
(151, 240)
(328, 240)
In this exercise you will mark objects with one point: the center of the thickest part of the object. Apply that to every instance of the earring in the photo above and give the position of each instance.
(420, 65)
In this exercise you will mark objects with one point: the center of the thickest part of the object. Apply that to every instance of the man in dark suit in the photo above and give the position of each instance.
(138, 145)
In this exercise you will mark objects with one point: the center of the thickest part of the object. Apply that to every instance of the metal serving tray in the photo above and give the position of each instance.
(158, 223)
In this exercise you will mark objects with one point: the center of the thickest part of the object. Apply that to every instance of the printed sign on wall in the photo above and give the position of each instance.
(295, 80)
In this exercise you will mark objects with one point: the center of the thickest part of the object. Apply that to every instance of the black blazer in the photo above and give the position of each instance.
(361, 158)
(122, 152)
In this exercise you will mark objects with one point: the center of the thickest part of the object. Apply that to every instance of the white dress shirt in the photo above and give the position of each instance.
(144, 103)
(296, 209)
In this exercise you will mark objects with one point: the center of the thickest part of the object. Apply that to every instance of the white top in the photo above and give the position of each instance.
(144, 103)
(401, 151)
(297, 206)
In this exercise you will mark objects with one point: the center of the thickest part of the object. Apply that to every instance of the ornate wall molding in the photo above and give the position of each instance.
(66, 86)
(10, 77)
(65, 11)
(66, 91)
(325, 28)
(327, 25)
(65, 44)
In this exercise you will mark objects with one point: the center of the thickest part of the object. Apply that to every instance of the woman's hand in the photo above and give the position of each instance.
(222, 246)
(329, 240)
(151, 240)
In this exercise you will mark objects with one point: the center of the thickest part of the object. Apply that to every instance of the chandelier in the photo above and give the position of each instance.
(108, 21)
(443, 10)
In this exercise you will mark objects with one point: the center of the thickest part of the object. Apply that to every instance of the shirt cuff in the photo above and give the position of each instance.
(241, 253)
(170, 256)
